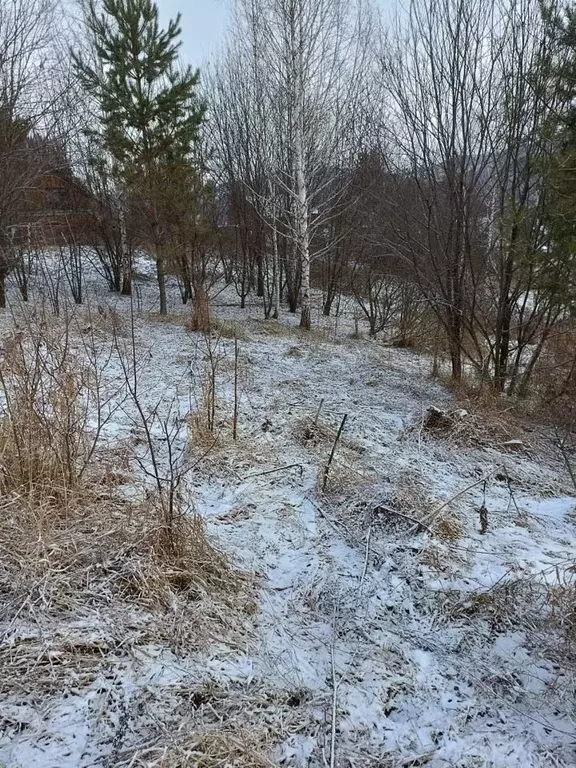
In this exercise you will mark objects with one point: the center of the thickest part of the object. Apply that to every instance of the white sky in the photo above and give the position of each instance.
(204, 24)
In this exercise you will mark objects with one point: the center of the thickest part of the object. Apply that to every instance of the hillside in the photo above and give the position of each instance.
(367, 624)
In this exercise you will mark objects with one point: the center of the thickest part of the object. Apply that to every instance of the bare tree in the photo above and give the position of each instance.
(30, 91)
(467, 104)
(290, 82)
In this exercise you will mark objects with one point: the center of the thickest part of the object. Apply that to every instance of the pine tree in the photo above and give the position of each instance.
(560, 176)
(149, 113)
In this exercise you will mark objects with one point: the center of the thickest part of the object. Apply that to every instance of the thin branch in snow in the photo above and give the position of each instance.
(334, 692)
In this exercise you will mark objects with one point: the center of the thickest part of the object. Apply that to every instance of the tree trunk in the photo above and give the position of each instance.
(292, 277)
(504, 317)
(187, 293)
(328, 301)
(126, 261)
(2, 289)
(161, 275)
(301, 227)
(260, 279)
(275, 276)
(455, 343)
(201, 312)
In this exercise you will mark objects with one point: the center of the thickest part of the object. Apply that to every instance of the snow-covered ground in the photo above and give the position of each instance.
(390, 643)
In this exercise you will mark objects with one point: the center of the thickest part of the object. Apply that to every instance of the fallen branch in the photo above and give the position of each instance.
(278, 469)
(419, 523)
(318, 412)
(334, 695)
(434, 514)
(366, 557)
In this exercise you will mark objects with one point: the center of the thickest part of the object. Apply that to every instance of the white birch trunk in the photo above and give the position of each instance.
(275, 276)
(301, 227)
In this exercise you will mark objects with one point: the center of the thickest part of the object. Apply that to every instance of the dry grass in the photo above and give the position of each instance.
(542, 605)
(294, 352)
(313, 336)
(201, 436)
(448, 528)
(437, 559)
(229, 329)
(104, 319)
(311, 433)
(73, 550)
(343, 479)
(241, 748)
(81, 594)
(48, 393)
(180, 320)
(59, 562)
(410, 494)
(561, 603)
(214, 726)
(478, 421)
(316, 433)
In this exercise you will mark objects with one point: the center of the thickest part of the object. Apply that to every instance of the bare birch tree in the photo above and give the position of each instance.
(298, 66)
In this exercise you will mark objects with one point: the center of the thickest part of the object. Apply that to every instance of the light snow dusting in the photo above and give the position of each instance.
(401, 644)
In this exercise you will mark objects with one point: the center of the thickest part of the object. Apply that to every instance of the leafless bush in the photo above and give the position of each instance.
(51, 275)
(554, 377)
(51, 396)
(214, 355)
(71, 258)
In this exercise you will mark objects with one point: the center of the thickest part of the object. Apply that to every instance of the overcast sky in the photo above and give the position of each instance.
(203, 25)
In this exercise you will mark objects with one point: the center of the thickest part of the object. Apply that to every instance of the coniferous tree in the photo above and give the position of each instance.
(148, 110)
(561, 172)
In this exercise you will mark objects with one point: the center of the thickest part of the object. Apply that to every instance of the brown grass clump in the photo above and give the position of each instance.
(82, 592)
(276, 328)
(437, 559)
(561, 603)
(172, 556)
(312, 433)
(544, 605)
(481, 423)
(410, 493)
(105, 319)
(448, 528)
(343, 479)
(48, 394)
(167, 319)
(229, 329)
(204, 434)
(72, 547)
(62, 562)
(241, 748)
